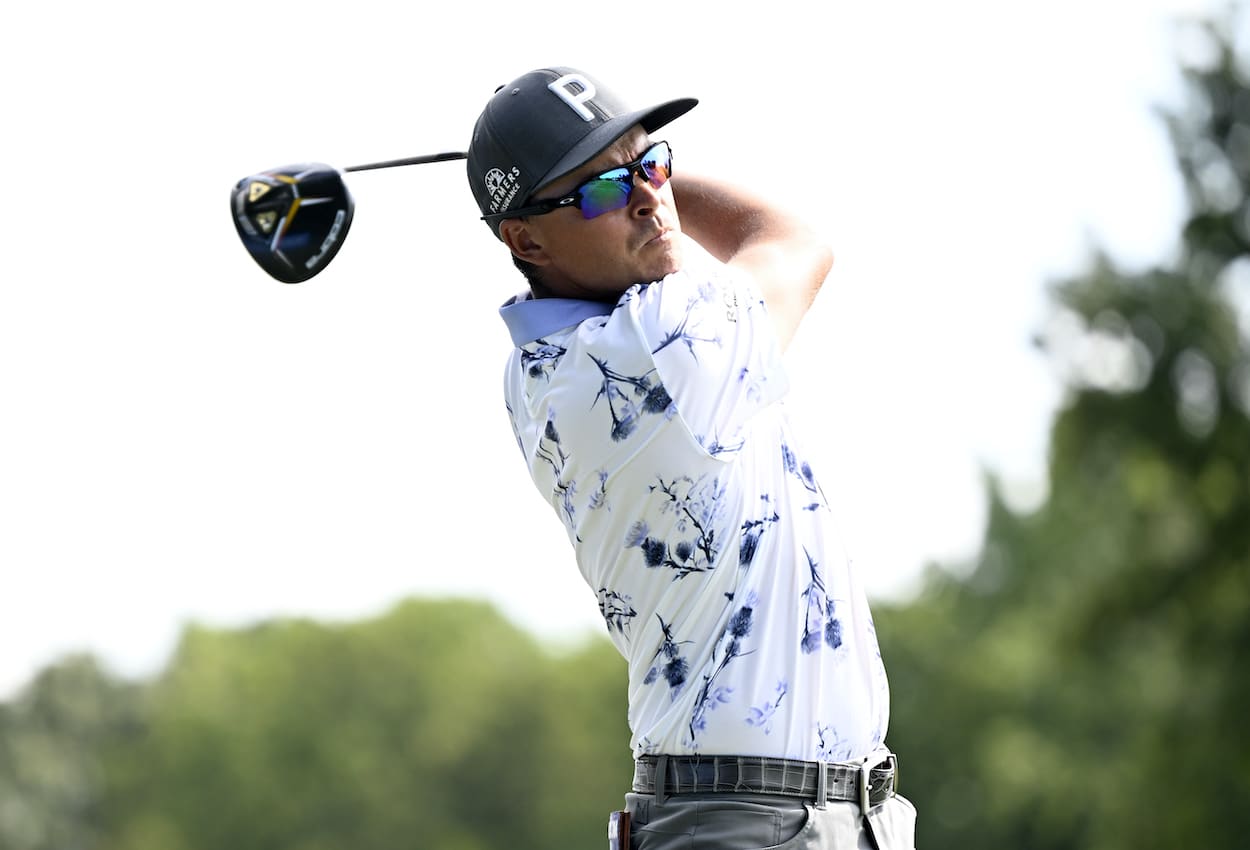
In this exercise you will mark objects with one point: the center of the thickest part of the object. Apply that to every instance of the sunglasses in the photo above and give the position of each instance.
(608, 191)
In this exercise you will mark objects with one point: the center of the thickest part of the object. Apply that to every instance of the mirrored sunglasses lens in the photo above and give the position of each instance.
(603, 195)
(657, 163)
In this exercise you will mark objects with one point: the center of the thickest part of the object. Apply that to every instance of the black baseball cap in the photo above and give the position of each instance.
(544, 124)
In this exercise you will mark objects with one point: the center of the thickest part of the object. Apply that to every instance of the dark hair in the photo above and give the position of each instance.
(532, 273)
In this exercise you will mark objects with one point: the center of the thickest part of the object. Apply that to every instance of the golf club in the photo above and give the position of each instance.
(293, 219)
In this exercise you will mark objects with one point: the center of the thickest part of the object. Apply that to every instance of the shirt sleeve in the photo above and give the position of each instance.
(714, 349)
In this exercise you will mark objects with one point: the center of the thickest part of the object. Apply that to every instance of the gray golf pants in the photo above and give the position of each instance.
(766, 822)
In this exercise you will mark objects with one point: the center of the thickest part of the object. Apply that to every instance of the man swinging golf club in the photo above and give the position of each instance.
(645, 391)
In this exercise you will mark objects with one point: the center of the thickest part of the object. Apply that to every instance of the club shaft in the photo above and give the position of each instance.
(411, 160)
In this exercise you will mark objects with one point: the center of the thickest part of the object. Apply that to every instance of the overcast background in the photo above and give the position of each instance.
(185, 439)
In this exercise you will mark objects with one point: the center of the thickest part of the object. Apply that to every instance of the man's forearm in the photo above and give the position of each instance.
(788, 259)
(723, 218)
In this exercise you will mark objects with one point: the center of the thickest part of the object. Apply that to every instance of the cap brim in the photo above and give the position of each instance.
(605, 134)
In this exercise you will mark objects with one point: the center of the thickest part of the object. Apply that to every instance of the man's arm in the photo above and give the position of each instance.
(787, 259)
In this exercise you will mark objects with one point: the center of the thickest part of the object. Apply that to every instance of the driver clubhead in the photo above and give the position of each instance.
(293, 219)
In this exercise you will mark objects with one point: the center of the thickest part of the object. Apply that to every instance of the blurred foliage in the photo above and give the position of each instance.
(437, 725)
(1083, 684)
(1086, 684)
(55, 741)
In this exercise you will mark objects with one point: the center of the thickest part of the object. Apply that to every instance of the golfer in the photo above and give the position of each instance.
(646, 393)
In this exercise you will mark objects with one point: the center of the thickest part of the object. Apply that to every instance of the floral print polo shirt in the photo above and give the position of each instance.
(655, 429)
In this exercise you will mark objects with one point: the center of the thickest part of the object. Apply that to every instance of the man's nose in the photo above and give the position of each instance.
(645, 196)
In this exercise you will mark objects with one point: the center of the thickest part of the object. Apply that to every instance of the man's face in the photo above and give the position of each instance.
(601, 257)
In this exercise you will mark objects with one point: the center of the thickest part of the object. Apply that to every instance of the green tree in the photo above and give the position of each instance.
(439, 724)
(1086, 685)
(55, 740)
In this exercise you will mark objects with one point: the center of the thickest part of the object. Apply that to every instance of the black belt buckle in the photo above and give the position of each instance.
(865, 779)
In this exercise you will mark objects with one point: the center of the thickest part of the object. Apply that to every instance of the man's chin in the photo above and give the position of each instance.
(669, 263)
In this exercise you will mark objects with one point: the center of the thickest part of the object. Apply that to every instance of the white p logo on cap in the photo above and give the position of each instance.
(575, 100)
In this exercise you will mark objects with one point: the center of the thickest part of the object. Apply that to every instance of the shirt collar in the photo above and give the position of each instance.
(531, 318)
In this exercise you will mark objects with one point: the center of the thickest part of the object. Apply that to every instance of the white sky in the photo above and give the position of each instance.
(184, 438)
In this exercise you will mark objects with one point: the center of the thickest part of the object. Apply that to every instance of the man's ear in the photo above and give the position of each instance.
(522, 241)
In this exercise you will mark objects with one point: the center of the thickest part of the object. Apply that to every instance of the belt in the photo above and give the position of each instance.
(869, 782)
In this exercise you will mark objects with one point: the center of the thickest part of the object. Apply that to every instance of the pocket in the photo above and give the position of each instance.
(749, 826)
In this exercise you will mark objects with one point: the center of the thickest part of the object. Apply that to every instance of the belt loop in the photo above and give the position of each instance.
(862, 787)
(661, 780)
(822, 785)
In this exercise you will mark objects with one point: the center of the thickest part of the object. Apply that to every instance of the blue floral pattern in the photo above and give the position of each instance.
(616, 610)
(801, 470)
(550, 452)
(630, 397)
(819, 617)
(683, 332)
(753, 530)
(762, 715)
(654, 428)
(729, 649)
(541, 358)
(668, 662)
(829, 746)
(695, 505)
